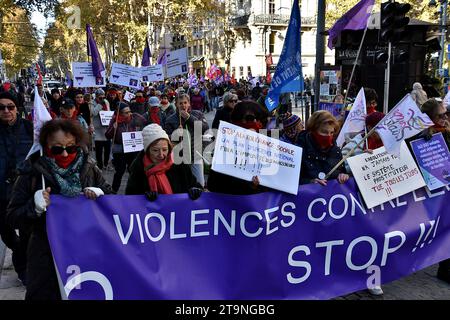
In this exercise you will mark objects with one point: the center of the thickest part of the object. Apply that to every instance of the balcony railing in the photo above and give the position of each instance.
(281, 20)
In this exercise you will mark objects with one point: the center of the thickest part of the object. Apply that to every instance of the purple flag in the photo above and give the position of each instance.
(92, 50)
(146, 56)
(163, 58)
(355, 19)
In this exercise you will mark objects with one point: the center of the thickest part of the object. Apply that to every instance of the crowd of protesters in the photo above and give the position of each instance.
(76, 136)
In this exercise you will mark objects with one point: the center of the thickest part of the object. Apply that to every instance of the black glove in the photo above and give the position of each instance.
(151, 195)
(195, 193)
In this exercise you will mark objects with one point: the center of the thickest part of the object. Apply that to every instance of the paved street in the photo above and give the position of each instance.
(422, 285)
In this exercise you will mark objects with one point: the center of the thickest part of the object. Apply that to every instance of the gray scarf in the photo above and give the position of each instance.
(68, 179)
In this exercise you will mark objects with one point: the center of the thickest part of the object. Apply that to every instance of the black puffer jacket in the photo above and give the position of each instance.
(42, 281)
(315, 161)
(180, 177)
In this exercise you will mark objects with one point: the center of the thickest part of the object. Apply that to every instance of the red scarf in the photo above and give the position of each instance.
(123, 119)
(373, 143)
(371, 109)
(324, 142)
(156, 175)
(154, 115)
(439, 128)
(61, 161)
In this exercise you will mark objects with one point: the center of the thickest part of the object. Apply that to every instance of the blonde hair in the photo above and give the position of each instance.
(319, 118)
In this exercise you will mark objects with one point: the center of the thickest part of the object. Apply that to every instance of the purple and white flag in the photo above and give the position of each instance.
(402, 122)
(356, 119)
(92, 50)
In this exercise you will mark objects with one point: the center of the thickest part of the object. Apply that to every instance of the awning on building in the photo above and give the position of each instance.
(198, 59)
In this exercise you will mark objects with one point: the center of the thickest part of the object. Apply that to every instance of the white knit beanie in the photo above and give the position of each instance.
(153, 132)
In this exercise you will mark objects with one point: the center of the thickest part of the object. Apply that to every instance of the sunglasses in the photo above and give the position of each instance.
(235, 101)
(9, 106)
(58, 150)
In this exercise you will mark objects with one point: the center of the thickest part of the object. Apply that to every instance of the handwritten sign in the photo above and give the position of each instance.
(382, 176)
(125, 75)
(105, 117)
(84, 77)
(244, 154)
(132, 141)
(434, 160)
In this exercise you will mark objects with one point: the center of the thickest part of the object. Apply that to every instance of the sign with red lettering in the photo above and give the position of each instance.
(243, 154)
(382, 176)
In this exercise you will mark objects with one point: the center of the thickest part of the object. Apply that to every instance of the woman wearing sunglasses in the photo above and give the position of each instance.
(67, 170)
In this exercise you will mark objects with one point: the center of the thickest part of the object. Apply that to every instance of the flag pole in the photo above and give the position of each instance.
(42, 175)
(354, 67)
(354, 148)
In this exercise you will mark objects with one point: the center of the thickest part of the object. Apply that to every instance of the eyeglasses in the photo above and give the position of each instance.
(58, 150)
(234, 101)
(9, 106)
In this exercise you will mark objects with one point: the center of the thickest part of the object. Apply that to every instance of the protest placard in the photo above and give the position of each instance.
(244, 154)
(125, 75)
(334, 108)
(128, 96)
(433, 159)
(105, 117)
(177, 63)
(84, 77)
(132, 141)
(152, 73)
(382, 176)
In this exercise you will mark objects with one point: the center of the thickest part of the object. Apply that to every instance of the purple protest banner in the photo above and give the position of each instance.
(434, 160)
(320, 244)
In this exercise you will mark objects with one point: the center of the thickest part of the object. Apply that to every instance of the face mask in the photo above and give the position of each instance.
(324, 142)
(371, 109)
(140, 99)
(253, 125)
(61, 161)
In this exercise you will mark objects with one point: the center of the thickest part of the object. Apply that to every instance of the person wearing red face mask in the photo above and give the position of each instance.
(243, 115)
(123, 121)
(139, 105)
(320, 152)
(371, 100)
(67, 170)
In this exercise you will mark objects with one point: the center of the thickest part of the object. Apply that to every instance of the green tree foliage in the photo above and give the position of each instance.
(19, 44)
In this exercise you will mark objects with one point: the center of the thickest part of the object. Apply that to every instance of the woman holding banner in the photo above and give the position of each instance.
(153, 171)
(320, 152)
(65, 168)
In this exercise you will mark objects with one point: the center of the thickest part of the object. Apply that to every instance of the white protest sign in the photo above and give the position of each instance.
(105, 117)
(125, 75)
(382, 176)
(152, 73)
(244, 154)
(177, 63)
(83, 77)
(128, 96)
(132, 141)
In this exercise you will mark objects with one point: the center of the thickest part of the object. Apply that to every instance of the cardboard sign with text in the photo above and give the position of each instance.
(434, 160)
(125, 75)
(243, 154)
(382, 176)
(132, 141)
(105, 117)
